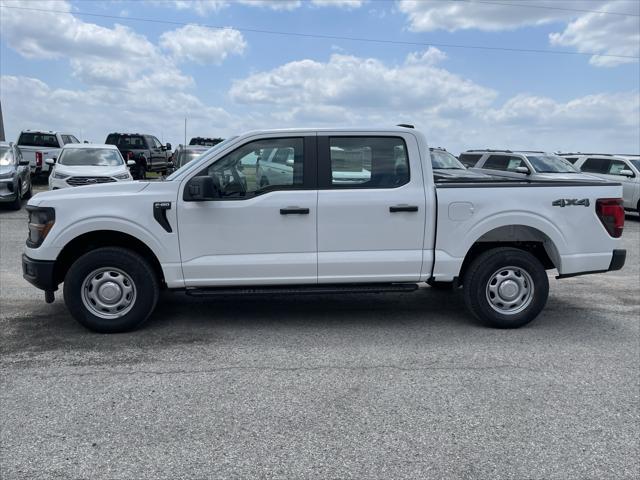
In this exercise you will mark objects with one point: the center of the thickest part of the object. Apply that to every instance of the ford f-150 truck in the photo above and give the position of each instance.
(211, 228)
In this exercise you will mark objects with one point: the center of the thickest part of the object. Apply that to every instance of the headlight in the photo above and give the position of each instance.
(122, 176)
(41, 220)
(60, 176)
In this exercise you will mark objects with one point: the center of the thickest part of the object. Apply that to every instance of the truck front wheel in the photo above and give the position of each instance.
(506, 287)
(111, 290)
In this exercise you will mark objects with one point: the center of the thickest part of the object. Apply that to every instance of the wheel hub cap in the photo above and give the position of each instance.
(510, 290)
(108, 293)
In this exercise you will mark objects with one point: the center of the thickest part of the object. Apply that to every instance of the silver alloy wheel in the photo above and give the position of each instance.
(108, 293)
(510, 290)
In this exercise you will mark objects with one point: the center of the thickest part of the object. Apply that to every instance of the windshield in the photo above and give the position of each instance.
(186, 167)
(551, 164)
(635, 163)
(6, 157)
(97, 157)
(444, 160)
(186, 156)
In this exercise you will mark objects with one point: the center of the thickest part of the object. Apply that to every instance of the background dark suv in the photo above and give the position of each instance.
(147, 151)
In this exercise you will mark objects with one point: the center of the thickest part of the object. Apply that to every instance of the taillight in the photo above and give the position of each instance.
(611, 213)
(38, 159)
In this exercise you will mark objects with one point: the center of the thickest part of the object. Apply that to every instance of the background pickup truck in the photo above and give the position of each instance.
(212, 229)
(146, 150)
(36, 146)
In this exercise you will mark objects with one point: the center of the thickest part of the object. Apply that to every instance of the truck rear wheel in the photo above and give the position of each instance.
(506, 287)
(111, 290)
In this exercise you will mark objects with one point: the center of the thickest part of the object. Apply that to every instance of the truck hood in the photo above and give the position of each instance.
(89, 191)
(90, 170)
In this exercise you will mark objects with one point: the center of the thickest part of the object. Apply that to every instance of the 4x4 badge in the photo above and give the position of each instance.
(571, 202)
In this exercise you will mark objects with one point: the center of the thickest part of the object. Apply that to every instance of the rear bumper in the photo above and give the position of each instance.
(617, 262)
(39, 273)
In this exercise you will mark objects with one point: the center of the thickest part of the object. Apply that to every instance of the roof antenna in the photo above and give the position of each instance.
(405, 125)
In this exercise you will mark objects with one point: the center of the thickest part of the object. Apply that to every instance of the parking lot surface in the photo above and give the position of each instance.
(344, 386)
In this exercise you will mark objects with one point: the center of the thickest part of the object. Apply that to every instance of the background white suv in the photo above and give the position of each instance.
(82, 164)
(618, 168)
(521, 165)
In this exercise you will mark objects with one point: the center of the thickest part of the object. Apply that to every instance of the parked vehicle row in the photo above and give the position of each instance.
(211, 228)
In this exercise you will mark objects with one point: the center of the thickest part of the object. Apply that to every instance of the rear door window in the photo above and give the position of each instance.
(596, 165)
(368, 162)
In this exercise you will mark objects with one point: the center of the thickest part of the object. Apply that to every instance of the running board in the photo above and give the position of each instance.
(308, 289)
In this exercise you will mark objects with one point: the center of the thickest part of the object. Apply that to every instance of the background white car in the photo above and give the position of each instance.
(616, 168)
(87, 164)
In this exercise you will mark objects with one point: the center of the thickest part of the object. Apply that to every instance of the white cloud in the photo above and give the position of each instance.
(203, 45)
(365, 84)
(600, 33)
(93, 113)
(348, 4)
(202, 7)
(452, 111)
(431, 15)
(613, 33)
(273, 4)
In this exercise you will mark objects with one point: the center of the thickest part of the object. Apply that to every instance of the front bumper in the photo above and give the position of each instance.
(39, 273)
(8, 191)
(617, 262)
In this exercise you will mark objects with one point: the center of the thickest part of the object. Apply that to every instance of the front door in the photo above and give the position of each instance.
(371, 209)
(253, 234)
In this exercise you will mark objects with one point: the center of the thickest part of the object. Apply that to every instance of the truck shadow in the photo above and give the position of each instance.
(179, 321)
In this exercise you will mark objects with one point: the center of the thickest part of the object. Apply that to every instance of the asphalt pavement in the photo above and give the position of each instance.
(382, 386)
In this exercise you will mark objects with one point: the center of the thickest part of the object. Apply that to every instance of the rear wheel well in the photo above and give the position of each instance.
(103, 238)
(521, 237)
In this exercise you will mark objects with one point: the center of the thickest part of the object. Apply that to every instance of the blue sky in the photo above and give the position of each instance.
(91, 75)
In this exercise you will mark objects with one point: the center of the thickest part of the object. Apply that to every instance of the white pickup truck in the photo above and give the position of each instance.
(211, 229)
(38, 145)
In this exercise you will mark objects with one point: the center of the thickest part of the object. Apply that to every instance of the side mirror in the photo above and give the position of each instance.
(524, 170)
(201, 188)
(168, 146)
(131, 163)
(290, 162)
(626, 172)
(50, 161)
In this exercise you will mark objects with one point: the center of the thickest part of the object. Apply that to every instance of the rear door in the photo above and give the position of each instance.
(253, 234)
(371, 208)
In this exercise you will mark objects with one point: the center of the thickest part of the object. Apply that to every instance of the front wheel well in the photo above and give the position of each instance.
(103, 238)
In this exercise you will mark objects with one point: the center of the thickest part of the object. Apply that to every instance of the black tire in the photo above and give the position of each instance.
(486, 270)
(141, 275)
(29, 193)
(17, 203)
